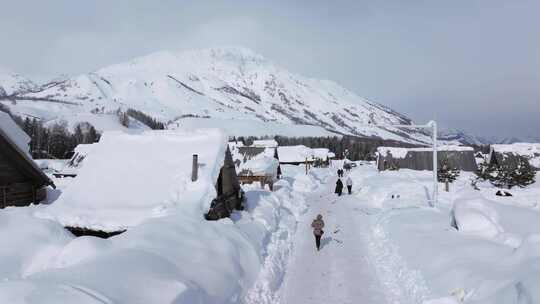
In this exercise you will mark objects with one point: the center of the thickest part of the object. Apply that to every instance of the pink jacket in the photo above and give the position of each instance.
(318, 225)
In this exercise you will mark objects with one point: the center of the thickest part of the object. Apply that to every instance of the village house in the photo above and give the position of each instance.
(256, 163)
(300, 154)
(131, 178)
(21, 180)
(458, 157)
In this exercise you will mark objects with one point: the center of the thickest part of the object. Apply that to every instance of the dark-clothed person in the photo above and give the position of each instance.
(339, 187)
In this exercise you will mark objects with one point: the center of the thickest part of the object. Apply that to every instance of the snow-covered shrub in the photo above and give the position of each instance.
(523, 175)
(446, 173)
(504, 176)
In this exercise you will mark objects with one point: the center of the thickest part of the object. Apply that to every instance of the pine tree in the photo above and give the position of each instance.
(446, 173)
(506, 176)
(523, 175)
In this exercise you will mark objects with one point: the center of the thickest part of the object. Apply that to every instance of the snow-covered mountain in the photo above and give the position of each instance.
(521, 139)
(11, 84)
(220, 83)
(462, 137)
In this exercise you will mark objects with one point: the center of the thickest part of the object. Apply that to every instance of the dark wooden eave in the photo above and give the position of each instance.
(23, 161)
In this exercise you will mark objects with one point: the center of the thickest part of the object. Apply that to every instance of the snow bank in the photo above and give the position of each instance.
(14, 133)
(494, 257)
(476, 217)
(28, 243)
(129, 178)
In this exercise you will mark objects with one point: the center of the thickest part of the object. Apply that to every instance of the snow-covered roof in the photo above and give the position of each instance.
(523, 149)
(322, 153)
(402, 152)
(255, 160)
(295, 154)
(266, 143)
(129, 178)
(259, 166)
(15, 133)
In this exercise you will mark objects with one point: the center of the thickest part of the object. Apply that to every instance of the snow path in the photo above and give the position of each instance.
(341, 272)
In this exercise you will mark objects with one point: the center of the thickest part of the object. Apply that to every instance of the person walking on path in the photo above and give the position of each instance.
(339, 187)
(339, 172)
(318, 225)
(349, 184)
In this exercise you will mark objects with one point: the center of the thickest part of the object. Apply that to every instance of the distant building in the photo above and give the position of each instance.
(257, 163)
(21, 180)
(297, 155)
(265, 143)
(509, 155)
(459, 157)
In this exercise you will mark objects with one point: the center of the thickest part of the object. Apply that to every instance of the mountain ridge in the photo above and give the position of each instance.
(217, 83)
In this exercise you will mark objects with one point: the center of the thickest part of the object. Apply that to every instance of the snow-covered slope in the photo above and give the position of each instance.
(13, 83)
(513, 140)
(456, 136)
(220, 83)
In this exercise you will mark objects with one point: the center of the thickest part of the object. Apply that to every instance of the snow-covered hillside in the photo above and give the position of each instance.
(521, 139)
(220, 83)
(11, 84)
(456, 136)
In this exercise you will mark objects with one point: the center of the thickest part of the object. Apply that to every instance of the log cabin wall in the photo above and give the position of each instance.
(19, 186)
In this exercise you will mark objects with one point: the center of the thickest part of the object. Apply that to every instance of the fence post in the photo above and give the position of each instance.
(195, 168)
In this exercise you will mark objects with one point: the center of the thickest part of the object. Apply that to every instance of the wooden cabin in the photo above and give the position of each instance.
(392, 158)
(229, 193)
(130, 178)
(300, 155)
(257, 164)
(21, 181)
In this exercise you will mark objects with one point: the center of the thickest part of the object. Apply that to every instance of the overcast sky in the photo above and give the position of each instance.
(473, 65)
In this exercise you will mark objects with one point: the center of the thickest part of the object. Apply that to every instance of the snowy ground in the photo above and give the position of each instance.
(169, 259)
(342, 271)
(379, 249)
(376, 249)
